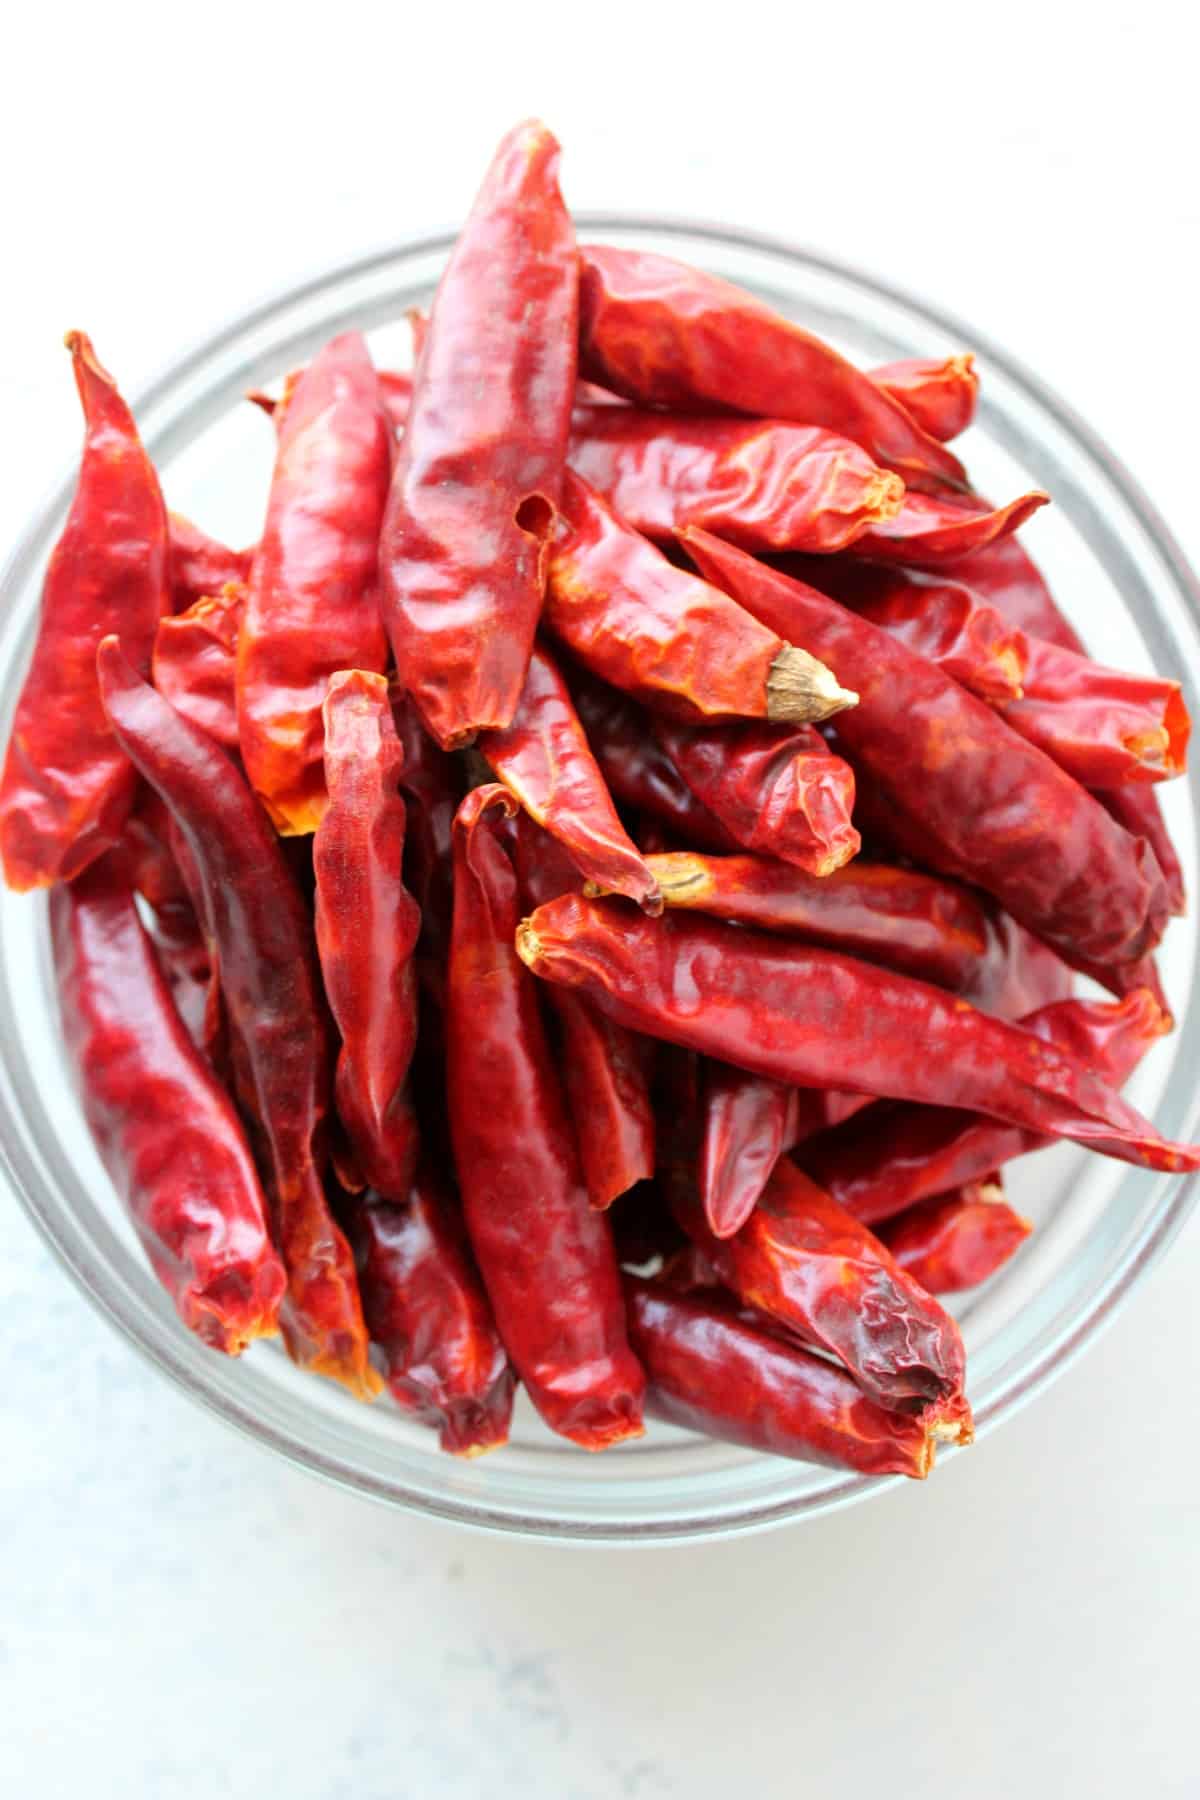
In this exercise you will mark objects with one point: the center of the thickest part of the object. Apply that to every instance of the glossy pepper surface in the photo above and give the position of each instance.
(957, 1240)
(746, 1124)
(367, 924)
(195, 661)
(476, 487)
(166, 1132)
(670, 336)
(311, 606)
(943, 621)
(1104, 726)
(67, 785)
(260, 937)
(546, 1256)
(931, 530)
(940, 395)
(199, 566)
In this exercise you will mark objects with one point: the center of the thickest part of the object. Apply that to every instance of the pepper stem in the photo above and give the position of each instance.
(802, 690)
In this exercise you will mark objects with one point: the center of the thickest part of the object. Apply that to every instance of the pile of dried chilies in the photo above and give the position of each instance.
(591, 899)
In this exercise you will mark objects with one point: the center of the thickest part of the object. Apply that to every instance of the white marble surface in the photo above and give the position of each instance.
(182, 1618)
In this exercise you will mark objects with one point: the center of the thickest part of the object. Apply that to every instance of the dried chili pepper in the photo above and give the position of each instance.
(397, 386)
(261, 937)
(367, 924)
(164, 1129)
(932, 530)
(667, 637)
(432, 785)
(805, 1262)
(546, 1257)
(711, 1371)
(761, 484)
(1137, 810)
(544, 760)
(426, 1309)
(747, 1123)
(473, 501)
(195, 661)
(777, 789)
(940, 396)
(310, 606)
(67, 786)
(667, 335)
(993, 808)
(940, 620)
(957, 1240)
(879, 1167)
(1105, 727)
(198, 566)
(817, 1018)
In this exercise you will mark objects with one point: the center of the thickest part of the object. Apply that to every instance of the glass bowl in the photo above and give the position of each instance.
(1101, 1224)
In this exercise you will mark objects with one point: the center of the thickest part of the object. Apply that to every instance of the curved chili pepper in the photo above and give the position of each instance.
(195, 661)
(777, 789)
(367, 924)
(940, 396)
(957, 1240)
(805, 1262)
(544, 760)
(932, 530)
(665, 636)
(67, 786)
(546, 1257)
(995, 810)
(710, 1371)
(261, 938)
(310, 606)
(746, 1125)
(816, 1018)
(426, 1309)
(473, 501)
(905, 1154)
(667, 335)
(760, 483)
(165, 1131)
(197, 565)
(1104, 726)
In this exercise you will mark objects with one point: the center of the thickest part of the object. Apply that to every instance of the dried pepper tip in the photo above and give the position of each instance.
(802, 690)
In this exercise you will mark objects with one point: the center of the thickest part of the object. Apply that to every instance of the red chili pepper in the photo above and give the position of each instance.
(931, 530)
(746, 1125)
(762, 484)
(665, 636)
(667, 335)
(777, 789)
(819, 1109)
(164, 1129)
(68, 786)
(603, 1065)
(996, 810)
(879, 1167)
(426, 1309)
(311, 608)
(544, 761)
(195, 662)
(818, 1019)
(1137, 810)
(940, 396)
(367, 924)
(806, 1263)
(1104, 726)
(397, 386)
(710, 1371)
(546, 1257)
(261, 937)
(197, 565)
(431, 783)
(473, 501)
(957, 1240)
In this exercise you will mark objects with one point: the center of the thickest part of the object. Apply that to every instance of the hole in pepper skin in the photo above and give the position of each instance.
(536, 516)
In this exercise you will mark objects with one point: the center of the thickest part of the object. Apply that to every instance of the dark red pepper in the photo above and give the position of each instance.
(957, 1240)
(195, 661)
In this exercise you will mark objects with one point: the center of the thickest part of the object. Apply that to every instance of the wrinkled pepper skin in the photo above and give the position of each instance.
(777, 789)
(472, 507)
(996, 810)
(711, 1371)
(942, 621)
(165, 1130)
(426, 1310)
(198, 566)
(544, 760)
(1104, 726)
(367, 925)
(670, 336)
(880, 1164)
(940, 396)
(1137, 811)
(67, 785)
(759, 483)
(815, 1018)
(746, 1124)
(311, 604)
(805, 1262)
(260, 937)
(195, 661)
(957, 1240)
(546, 1256)
(432, 785)
(930, 531)
(664, 636)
